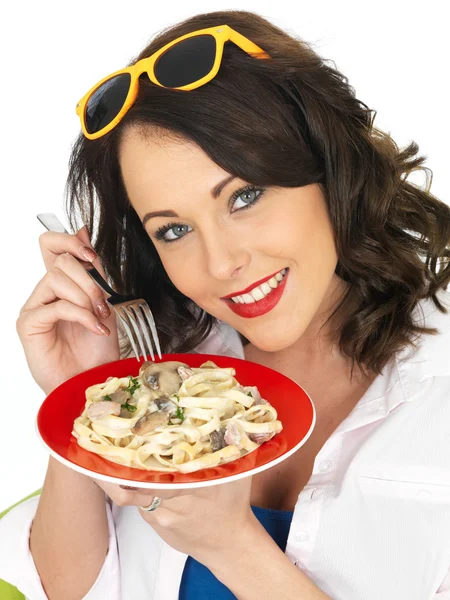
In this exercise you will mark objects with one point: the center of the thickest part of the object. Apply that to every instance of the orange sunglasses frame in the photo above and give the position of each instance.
(222, 34)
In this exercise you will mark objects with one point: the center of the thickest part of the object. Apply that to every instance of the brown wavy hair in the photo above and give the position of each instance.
(289, 121)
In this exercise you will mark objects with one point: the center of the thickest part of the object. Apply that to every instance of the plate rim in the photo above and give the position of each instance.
(182, 485)
(185, 485)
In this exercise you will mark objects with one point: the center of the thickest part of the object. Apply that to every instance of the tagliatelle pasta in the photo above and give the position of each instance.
(172, 417)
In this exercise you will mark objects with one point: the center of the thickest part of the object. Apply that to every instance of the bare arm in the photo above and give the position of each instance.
(65, 328)
(258, 569)
(69, 536)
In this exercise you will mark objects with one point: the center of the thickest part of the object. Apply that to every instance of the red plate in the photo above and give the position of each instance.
(59, 410)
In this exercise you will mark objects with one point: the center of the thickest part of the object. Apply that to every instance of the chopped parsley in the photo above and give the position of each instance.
(129, 407)
(250, 394)
(107, 397)
(179, 413)
(177, 397)
(133, 385)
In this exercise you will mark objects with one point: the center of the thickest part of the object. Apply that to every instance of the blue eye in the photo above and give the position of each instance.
(172, 232)
(248, 196)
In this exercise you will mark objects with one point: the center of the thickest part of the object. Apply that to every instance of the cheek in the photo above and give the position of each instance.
(316, 252)
(316, 243)
(183, 274)
(306, 238)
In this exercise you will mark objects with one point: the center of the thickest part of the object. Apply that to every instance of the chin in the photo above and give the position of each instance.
(275, 342)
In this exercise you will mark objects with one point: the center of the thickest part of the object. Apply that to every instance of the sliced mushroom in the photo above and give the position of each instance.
(162, 377)
(120, 396)
(152, 382)
(165, 404)
(185, 373)
(125, 414)
(217, 440)
(260, 438)
(97, 410)
(150, 422)
(144, 365)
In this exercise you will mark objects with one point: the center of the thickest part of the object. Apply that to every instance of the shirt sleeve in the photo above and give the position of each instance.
(17, 565)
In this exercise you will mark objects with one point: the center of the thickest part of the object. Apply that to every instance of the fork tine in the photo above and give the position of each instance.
(144, 328)
(151, 321)
(132, 319)
(129, 333)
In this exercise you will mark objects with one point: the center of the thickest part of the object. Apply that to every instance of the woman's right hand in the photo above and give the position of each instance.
(65, 326)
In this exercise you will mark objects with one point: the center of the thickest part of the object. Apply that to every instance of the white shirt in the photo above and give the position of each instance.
(372, 523)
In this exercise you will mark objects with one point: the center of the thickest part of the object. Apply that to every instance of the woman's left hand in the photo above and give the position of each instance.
(216, 526)
(207, 523)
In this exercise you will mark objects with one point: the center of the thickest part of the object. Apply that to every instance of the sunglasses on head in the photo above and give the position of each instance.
(186, 63)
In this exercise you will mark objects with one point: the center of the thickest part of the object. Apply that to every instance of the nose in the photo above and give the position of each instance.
(226, 254)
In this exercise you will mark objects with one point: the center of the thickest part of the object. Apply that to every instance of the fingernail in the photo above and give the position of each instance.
(88, 253)
(102, 328)
(129, 487)
(103, 309)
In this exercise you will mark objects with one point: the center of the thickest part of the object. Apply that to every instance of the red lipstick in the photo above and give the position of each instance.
(260, 307)
(250, 287)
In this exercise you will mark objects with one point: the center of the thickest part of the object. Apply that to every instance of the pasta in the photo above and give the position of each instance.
(172, 417)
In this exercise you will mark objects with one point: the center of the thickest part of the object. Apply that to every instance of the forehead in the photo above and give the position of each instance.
(157, 165)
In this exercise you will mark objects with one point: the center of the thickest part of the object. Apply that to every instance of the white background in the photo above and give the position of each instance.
(394, 53)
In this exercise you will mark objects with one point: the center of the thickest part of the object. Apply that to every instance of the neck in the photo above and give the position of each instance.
(316, 352)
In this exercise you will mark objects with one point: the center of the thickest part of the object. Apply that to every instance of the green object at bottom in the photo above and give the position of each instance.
(8, 591)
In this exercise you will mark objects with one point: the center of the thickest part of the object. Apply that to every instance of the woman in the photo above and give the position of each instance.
(201, 195)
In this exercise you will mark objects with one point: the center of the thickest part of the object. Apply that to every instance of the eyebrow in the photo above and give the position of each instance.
(215, 193)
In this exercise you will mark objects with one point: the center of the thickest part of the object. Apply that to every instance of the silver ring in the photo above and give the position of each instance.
(153, 506)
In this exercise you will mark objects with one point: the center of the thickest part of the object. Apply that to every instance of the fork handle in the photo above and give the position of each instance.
(51, 222)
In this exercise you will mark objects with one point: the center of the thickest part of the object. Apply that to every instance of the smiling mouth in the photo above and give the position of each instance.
(259, 292)
(260, 299)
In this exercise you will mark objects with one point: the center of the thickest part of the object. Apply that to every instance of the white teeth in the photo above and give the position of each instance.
(257, 294)
(248, 298)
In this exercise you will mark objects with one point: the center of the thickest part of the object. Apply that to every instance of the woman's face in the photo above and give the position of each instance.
(262, 260)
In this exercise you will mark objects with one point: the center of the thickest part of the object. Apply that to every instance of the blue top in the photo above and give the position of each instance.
(198, 583)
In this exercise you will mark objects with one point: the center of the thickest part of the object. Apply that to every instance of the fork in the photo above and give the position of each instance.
(133, 313)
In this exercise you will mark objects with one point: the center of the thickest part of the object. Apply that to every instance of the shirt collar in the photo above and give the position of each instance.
(431, 358)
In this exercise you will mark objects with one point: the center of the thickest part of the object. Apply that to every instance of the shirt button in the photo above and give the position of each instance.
(325, 465)
(301, 536)
(315, 493)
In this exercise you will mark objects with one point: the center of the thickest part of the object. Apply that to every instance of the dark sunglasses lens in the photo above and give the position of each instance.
(186, 62)
(106, 102)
